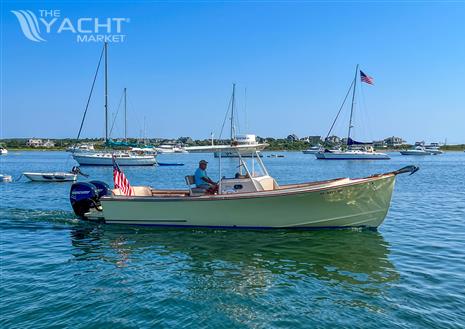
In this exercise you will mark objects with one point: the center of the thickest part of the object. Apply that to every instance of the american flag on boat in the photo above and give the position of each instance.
(120, 180)
(366, 78)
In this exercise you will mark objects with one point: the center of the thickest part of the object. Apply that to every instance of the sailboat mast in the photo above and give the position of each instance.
(353, 103)
(106, 92)
(233, 128)
(125, 118)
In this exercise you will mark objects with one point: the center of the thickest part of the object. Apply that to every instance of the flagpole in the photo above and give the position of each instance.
(352, 106)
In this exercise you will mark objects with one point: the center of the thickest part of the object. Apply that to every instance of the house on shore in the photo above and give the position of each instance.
(334, 140)
(37, 142)
(312, 140)
(394, 141)
(292, 138)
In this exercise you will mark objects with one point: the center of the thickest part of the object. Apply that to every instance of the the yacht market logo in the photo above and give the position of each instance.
(85, 29)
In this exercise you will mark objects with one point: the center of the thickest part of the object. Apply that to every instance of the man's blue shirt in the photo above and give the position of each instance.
(199, 174)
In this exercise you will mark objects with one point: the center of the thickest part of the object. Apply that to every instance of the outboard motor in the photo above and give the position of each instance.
(83, 197)
(102, 188)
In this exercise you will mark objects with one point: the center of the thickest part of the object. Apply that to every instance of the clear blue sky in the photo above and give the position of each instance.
(295, 59)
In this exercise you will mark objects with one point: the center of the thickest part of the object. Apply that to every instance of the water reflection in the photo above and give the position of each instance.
(244, 261)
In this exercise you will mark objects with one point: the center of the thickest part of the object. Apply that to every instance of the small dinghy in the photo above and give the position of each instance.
(55, 176)
(51, 176)
(165, 164)
(5, 178)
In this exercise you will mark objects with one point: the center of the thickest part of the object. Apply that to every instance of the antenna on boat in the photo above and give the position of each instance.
(233, 128)
(353, 102)
(106, 92)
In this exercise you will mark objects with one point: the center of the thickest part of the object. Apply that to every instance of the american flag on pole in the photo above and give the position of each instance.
(120, 180)
(366, 78)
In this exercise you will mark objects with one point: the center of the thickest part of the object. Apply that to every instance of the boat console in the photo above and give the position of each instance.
(247, 184)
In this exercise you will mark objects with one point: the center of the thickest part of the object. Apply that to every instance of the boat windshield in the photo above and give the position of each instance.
(252, 166)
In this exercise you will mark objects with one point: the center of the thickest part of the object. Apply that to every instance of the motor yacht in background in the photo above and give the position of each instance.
(3, 150)
(247, 139)
(354, 150)
(312, 149)
(169, 148)
(418, 150)
(81, 148)
(433, 148)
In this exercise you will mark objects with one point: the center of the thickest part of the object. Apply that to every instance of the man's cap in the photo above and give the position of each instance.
(203, 162)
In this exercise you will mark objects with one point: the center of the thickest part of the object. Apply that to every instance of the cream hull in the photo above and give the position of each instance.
(350, 203)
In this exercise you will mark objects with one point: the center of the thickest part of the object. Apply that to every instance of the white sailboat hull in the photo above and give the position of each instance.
(105, 159)
(351, 155)
(51, 177)
(343, 203)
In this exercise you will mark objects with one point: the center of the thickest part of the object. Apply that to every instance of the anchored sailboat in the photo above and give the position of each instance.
(354, 150)
(124, 158)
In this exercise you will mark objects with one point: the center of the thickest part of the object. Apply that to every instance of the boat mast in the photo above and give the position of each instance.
(233, 128)
(125, 118)
(106, 92)
(352, 106)
(145, 133)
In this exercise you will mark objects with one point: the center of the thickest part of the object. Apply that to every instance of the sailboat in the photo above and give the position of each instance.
(105, 158)
(237, 139)
(354, 150)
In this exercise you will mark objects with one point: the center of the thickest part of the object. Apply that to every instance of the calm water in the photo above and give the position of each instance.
(57, 271)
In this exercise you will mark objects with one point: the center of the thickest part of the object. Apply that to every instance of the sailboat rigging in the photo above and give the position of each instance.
(236, 139)
(354, 150)
(105, 158)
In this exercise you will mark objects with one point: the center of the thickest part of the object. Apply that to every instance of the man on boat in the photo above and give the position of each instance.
(202, 180)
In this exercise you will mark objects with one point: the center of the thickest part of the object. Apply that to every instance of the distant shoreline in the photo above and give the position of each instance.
(451, 148)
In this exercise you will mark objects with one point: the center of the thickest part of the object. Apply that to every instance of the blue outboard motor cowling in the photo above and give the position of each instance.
(84, 196)
(102, 188)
